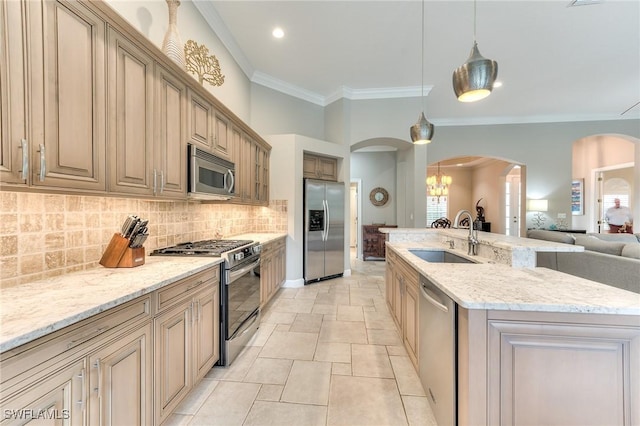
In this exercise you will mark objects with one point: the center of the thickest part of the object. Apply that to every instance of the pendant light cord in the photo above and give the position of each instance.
(422, 59)
(474, 21)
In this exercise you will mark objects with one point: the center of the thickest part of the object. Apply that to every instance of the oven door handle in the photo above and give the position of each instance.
(234, 275)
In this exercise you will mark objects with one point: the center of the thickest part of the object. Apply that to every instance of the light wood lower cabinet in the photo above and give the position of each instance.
(186, 339)
(173, 353)
(273, 269)
(59, 398)
(120, 380)
(130, 365)
(402, 298)
(518, 367)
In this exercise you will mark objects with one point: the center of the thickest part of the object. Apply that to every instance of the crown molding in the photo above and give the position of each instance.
(210, 14)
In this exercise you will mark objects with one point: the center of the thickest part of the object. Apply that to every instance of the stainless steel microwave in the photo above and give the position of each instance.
(210, 177)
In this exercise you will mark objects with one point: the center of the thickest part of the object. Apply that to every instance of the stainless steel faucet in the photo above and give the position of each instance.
(473, 233)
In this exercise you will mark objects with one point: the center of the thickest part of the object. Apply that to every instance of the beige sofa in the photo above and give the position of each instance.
(612, 259)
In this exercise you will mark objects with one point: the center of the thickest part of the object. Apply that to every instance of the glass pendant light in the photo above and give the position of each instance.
(474, 79)
(422, 131)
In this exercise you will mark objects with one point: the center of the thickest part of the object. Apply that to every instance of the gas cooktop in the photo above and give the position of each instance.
(202, 248)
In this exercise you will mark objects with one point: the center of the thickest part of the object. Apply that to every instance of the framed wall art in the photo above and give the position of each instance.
(577, 197)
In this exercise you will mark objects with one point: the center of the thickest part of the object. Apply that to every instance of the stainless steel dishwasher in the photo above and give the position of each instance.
(438, 351)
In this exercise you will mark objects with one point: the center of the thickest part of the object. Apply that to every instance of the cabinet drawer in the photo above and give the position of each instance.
(410, 274)
(182, 289)
(27, 362)
(272, 246)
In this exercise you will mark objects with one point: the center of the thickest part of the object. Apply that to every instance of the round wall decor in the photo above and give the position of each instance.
(379, 196)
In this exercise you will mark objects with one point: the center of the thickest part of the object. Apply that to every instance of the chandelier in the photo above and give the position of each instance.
(438, 184)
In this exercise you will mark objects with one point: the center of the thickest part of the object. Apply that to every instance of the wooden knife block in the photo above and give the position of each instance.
(119, 255)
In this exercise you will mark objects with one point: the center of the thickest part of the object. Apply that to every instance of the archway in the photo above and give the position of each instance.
(596, 160)
(498, 185)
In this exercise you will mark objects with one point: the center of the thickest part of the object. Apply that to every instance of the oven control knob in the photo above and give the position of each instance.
(257, 249)
(238, 256)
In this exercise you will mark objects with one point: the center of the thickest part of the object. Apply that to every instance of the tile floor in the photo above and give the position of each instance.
(325, 354)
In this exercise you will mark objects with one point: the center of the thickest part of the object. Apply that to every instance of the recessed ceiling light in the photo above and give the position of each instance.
(278, 32)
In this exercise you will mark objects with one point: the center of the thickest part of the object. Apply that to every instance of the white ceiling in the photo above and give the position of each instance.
(557, 63)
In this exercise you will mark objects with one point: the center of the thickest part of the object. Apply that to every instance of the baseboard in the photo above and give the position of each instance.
(294, 283)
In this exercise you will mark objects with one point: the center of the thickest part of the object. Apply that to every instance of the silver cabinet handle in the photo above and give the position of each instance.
(155, 181)
(161, 181)
(80, 377)
(43, 163)
(24, 173)
(98, 366)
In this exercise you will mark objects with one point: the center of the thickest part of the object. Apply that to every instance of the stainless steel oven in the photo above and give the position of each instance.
(239, 289)
(241, 292)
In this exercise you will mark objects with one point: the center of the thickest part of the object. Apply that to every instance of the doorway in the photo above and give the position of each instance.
(512, 198)
(355, 207)
(611, 183)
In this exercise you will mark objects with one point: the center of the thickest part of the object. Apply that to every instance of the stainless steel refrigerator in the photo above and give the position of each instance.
(324, 212)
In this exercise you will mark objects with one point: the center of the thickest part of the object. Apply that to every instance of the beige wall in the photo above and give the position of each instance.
(43, 235)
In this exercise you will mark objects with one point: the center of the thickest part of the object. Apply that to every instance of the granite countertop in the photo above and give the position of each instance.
(262, 238)
(32, 310)
(495, 286)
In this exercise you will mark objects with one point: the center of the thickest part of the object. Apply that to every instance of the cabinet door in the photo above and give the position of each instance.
(244, 170)
(222, 141)
(206, 334)
(120, 382)
(69, 115)
(58, 399)
(389, 276)
(200, 121)
(14, 149)
(328, 168)
(172, 359)
(559, 374)
(310, 166)
(398, 290)
(410, 318)
(130, 117)
(170, 141)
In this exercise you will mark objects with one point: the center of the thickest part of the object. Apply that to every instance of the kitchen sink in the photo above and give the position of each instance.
(439, 256)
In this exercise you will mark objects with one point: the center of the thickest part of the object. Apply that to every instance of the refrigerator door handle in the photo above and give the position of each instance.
(325, 231)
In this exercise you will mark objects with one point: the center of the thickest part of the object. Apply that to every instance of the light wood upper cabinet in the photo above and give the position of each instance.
(67, 89)
(200, 123)
(170, 151)
(320, 167)
(209, 128)
(222, 141)
(88, 106)
(14, 145)
(130, 117)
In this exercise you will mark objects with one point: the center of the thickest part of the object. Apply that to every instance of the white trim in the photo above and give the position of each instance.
(299, 283)
(210, 14)
(358, 182)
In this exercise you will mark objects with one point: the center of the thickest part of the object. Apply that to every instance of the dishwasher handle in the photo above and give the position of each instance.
(432, 298)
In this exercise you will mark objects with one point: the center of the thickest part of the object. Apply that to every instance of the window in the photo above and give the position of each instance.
(436, 208)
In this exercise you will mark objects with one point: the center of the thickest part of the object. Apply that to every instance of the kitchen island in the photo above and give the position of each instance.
(533, 346)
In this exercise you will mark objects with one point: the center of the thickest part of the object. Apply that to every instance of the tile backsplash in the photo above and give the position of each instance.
(43, 235)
